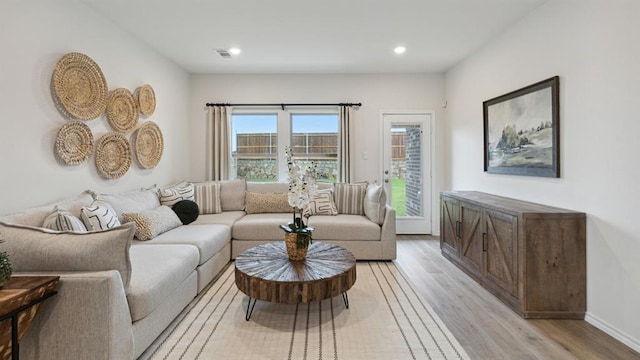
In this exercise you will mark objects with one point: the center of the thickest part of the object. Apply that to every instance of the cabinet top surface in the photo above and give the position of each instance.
(501, 202)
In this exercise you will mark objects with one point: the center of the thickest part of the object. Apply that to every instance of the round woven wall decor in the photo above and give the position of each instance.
(80, 86)
(149, 145)
(122, 110)
(74, 143)
(146, 100)
(113, 155)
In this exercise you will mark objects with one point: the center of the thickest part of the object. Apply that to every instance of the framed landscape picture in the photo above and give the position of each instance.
(521, 131)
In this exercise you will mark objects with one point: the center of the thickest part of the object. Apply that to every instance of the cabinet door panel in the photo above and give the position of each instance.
(449, 215)
(471, 236)
(501, 250)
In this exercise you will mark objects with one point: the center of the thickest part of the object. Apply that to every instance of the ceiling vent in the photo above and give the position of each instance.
(223, 53)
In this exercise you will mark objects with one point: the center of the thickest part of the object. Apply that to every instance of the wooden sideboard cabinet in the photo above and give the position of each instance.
(530, 256)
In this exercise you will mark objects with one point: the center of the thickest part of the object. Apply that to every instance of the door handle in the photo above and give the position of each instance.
(386, 180)
(484, 242)
(386, 172)
(458, 223)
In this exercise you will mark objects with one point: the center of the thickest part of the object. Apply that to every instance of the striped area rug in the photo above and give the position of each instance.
(386, 319)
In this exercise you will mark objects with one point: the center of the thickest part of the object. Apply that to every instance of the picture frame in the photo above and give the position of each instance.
(521, 131)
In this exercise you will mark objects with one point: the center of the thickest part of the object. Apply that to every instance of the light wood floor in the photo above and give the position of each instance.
(488, 329)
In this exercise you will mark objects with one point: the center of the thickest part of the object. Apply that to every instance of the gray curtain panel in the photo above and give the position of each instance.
(218, 143)
(344, 156)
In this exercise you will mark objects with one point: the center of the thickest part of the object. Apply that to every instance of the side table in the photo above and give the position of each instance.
(20, 299)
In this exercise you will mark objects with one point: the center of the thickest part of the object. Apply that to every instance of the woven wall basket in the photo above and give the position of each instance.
(80, 86)
(149, 145)
(146, 99)
(74, 143)
(113, 155)
(122, 110)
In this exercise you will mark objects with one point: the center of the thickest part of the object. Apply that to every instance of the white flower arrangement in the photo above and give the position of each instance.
(302, 186)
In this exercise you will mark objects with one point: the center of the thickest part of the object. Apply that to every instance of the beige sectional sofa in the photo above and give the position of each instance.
(116, 296)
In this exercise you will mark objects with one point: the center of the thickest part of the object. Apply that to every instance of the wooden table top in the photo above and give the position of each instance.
(265, 273)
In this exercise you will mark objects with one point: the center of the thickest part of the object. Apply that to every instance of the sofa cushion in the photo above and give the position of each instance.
(157, 271)
(207, 196)
(131, 201)
(62, 220)
(321, 203)
(170, 195)
(261, 226)
(349, 198)
(226, 218)
(374, 203)
(38, 249)
(209, 239)
(232, 194)
(99, 216)
(258, 203)
(186, 210)
(153, 222)
(344, 227)
(35, 216)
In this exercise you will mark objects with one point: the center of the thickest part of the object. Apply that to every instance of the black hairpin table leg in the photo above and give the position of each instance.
(249, 312)
(345, 297)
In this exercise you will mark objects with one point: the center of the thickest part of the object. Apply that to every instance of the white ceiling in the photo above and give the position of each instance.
(320, 36)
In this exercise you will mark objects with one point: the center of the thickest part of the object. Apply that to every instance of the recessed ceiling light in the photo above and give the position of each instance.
(400, 50)
(235, 51)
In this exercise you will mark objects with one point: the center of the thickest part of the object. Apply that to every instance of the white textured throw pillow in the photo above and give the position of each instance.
(349, 198)
(62, 220)
(321, 203)
(374, 203)
(153, 222)
(99, 216)
(172, 194)
(207, 196)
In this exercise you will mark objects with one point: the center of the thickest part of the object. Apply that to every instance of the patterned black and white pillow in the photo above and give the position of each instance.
(99, 216)
(170, 195)
(62, 220)
(321, 203)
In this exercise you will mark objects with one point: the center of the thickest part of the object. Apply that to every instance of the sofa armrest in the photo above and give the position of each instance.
(88, 319)
(388, 233)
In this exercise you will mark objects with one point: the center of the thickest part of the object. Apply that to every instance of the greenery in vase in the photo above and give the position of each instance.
(302, 185)
(5, 267)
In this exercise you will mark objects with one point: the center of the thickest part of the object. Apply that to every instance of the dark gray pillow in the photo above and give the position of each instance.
(186, 210)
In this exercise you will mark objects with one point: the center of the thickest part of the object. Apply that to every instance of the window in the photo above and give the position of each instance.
(257, 154)
(314, 137)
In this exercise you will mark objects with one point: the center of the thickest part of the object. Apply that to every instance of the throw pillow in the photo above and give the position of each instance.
(99, 216)
(207, 196)
(44, 250)
(62, 220)
(170, 195)
(258, 203)
(153, 222)
(374, 203)
(321, 203)
(186, 210)
(349, 198)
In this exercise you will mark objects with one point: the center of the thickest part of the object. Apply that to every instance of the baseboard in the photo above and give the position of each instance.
(615, 333)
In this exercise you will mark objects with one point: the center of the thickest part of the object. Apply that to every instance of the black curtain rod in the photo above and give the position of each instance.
(283, 105)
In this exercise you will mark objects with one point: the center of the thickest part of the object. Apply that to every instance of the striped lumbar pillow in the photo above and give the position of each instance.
(207, 196)
(62, 220)
(99, 216)
(349, 198)
(170, 195)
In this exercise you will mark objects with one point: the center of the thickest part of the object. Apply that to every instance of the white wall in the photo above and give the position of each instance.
(593, 46)
(33, 37)
(376, 92)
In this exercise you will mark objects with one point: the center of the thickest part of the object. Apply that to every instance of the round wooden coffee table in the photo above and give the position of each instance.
(265, 273)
